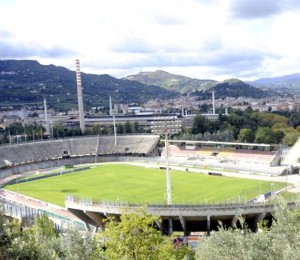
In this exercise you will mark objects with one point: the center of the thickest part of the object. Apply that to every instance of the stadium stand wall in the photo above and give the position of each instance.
(293, 156)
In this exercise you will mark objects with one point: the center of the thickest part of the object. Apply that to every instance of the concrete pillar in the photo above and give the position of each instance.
(159, 224)
(96, 218)
(170, 222)
(257, 219)
(234, 221)
(183, 224)
(208, 225)
(84, 217)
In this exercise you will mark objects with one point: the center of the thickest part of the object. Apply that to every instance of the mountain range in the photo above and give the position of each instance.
(24, 81)
(27, 81)
(199, 87)
(170, 81)
(291, 81)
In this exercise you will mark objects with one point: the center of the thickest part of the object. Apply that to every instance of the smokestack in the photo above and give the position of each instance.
(213, 102)
(79, 94)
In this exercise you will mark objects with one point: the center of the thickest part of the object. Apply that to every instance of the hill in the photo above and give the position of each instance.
(199, 87)
(232, 88)
(291, 81)
(23, 81)
(170, 81)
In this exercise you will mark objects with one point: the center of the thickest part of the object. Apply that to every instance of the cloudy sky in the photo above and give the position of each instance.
(215, 39)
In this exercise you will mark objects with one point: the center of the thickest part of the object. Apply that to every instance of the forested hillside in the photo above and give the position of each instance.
(23, 81)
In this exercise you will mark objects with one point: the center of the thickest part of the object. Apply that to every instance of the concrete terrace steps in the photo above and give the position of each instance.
(76, 147)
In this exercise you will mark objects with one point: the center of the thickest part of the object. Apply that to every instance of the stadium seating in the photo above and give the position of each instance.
(26, 153)
(234, 155)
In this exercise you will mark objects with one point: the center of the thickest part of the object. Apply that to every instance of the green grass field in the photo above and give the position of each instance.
(138, 184)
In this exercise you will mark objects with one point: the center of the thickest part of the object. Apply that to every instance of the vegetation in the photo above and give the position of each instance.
(232, 88)
(281, 241)
(170, 81)
(141, 185)
(28, 81)
(18, 133)
(41, 241)
(201, 88)
(135, 237)
(247, 126)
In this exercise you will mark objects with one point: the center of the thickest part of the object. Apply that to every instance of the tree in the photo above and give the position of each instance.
(120, 128)
(278, 136)
(200, 124)
(135, 237)
(77, 245)
(37, 242)
(58, 131)
(127, 127)
(246, 135)
(280, 241)
(294, 119)
(264, 135)
(96, 129)
(136, 127)
(291, 138)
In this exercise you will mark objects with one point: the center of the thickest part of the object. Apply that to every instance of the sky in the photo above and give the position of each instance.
(204, 39)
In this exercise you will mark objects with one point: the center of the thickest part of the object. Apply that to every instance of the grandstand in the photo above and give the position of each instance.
(30, 156)
(244, 152)
(242, 157)
(263, 158)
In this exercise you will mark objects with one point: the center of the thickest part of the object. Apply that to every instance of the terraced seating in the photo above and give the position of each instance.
(227, 154)
(132, 145)
(47, 150)
(249, 156)
(203, 151)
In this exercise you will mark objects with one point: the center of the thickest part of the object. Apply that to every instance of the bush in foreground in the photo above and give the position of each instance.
(281, 241)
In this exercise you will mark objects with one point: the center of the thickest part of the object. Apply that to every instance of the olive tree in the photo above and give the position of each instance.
(135, 237)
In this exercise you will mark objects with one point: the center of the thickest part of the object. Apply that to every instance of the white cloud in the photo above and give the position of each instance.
(198, 38)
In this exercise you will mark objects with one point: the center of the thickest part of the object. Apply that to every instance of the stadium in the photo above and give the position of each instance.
(215, 159)
(259, 161)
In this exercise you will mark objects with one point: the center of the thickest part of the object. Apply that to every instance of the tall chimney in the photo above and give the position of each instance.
(213, 102)
(79, 94)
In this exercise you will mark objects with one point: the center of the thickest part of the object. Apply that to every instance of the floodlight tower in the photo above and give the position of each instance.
(166, 126)
(111, 113)
(79, 94)
(213, 102)
(47, 124)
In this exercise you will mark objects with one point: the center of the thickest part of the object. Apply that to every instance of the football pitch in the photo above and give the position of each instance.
(135, 184)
